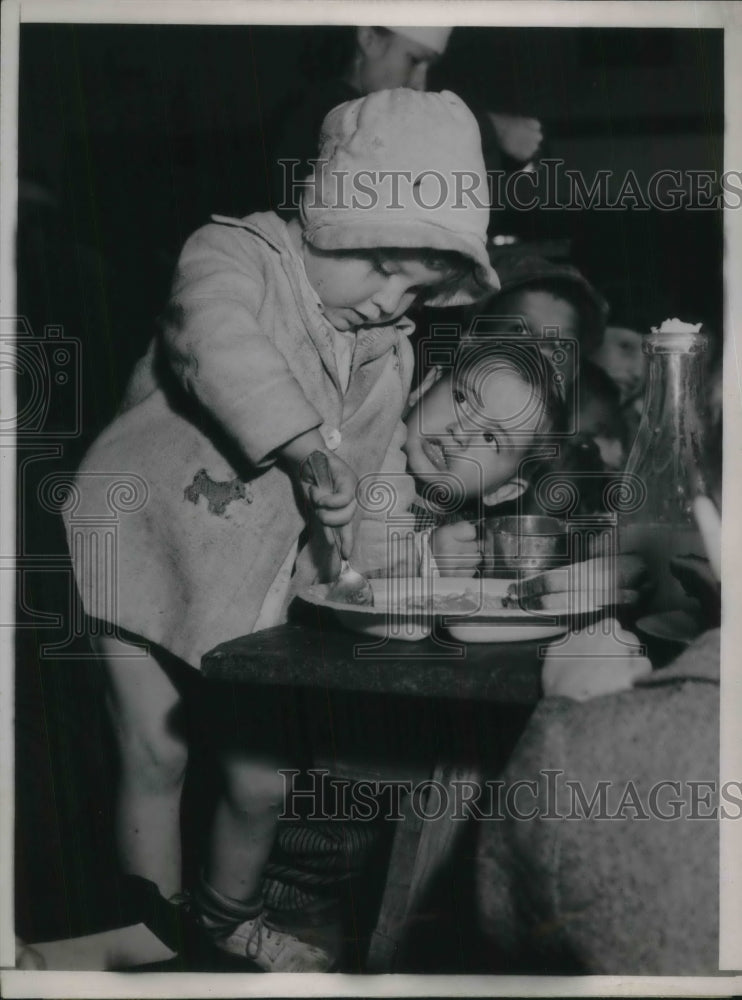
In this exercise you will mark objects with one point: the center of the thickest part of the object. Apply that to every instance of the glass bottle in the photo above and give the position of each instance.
(667, 459)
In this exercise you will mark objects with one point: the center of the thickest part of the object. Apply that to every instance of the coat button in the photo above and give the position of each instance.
(331, 436)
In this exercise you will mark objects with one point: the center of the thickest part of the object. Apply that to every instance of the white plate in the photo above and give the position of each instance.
(469, 631)
(493, 624)
(481, 619)
(379, 620)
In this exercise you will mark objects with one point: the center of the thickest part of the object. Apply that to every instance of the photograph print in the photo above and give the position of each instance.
(366, 578)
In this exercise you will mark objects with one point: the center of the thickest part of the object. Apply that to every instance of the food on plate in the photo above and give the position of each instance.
(512, 600)
(413, 601)
(465, 602)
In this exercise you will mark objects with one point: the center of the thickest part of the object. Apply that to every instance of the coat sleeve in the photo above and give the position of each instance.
(216, 349)
(517, 857)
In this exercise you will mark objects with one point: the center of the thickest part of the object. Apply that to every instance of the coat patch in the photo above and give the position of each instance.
(217, 494)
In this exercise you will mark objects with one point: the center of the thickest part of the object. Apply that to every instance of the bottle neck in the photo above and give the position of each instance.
(668, 452)
(673, 385)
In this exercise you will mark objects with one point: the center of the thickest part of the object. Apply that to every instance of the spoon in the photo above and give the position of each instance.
(350, 587)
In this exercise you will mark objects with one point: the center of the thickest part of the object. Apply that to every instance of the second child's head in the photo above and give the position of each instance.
(396, 210)
(480, 422)
(549, 300)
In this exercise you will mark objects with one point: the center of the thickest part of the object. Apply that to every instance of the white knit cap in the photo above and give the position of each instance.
(434, 38)
(403, 169)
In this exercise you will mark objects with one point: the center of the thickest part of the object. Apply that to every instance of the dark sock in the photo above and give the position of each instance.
(142, 902)
(221, 914)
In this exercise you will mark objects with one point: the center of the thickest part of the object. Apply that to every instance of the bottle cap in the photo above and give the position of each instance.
(675, 336)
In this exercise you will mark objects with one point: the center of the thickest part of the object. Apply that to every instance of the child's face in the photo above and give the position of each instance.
(620, 355)
(542, 309)
(366, 290)
(393, 60)
(598, 421)
(481, 437)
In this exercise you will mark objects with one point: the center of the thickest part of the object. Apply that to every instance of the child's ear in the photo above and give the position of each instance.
(508, 491)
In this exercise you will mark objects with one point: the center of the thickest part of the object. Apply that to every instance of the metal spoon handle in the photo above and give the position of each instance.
(319, 468)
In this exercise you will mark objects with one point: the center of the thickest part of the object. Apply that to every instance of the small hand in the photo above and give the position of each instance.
(456, 548)
(517, 137)
(592, 663)
(333, 497)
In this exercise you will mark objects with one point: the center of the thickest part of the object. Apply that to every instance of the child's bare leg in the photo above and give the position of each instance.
(229, 895)
(245, 825)
(144, 705)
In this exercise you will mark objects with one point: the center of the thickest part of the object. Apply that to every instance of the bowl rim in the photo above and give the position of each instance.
(559, 525)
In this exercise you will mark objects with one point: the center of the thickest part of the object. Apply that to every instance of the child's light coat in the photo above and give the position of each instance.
(248, 352)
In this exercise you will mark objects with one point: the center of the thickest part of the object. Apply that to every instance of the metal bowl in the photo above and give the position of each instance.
(523, 544)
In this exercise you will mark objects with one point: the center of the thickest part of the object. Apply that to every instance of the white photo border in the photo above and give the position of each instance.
(561, 13)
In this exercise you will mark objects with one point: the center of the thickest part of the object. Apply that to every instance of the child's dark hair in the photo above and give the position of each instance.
(534, 274)
(579, 460)
(589, 317)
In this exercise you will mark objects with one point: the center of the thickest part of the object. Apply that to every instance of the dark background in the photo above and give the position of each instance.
(129, 138)
(138, 133)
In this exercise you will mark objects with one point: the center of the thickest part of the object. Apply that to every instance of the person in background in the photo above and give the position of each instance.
(350, 62)
(601, 418)
(546, 300)
(621, 357)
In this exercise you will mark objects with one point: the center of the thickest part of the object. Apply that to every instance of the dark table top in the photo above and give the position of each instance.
(323, 656)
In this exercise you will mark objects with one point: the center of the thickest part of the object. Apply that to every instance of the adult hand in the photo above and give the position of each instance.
(518, 137)
(456, 548)
(602, 660)
(581, 586)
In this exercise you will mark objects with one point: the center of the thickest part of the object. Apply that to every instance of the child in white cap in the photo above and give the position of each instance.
(279, 340)
(361, 61)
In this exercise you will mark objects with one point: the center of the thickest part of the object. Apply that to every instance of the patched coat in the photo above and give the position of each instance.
(194, 539)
